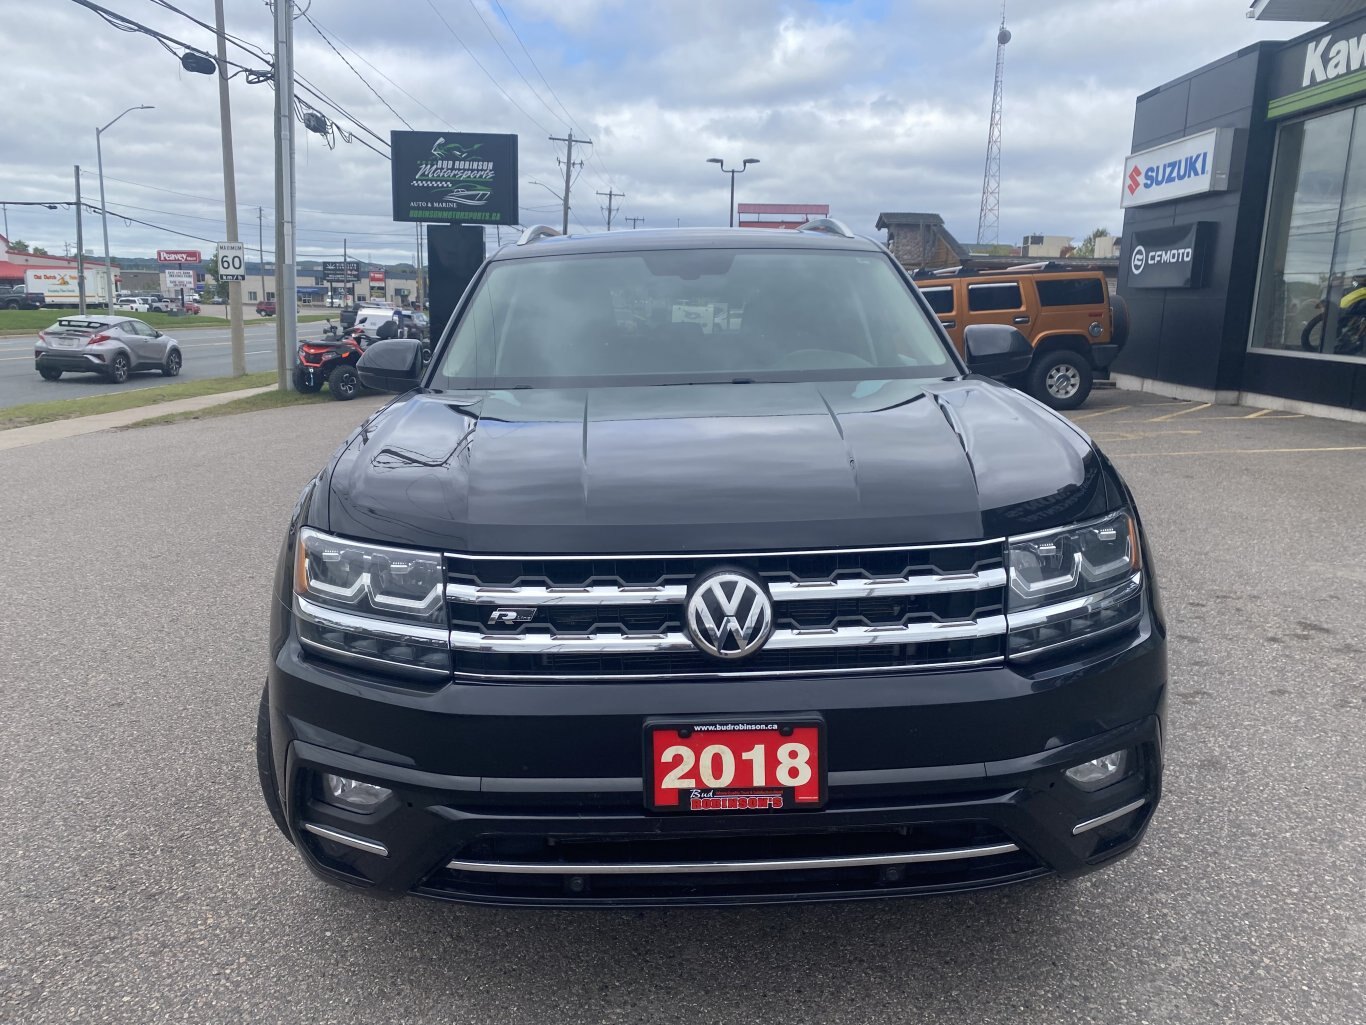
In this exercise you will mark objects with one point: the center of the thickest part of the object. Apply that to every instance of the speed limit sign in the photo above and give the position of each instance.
(232, 261)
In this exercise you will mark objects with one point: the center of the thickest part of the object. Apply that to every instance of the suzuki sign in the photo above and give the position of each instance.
(178, 256)
(1187, 167)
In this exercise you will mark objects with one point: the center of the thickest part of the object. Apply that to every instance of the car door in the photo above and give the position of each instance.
(999, 302)
(941, 300)
(144, 342)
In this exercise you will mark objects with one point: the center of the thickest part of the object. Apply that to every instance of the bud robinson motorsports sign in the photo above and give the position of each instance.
(454, 177)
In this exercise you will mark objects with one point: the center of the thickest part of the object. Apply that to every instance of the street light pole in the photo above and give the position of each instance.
(733, 171)
(104, 216)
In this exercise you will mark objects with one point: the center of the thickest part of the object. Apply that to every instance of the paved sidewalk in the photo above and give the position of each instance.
(19, 437)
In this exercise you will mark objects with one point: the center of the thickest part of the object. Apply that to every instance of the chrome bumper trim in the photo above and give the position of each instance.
(1109, 816)
(838, 637)
(702, 867)
(350, 840)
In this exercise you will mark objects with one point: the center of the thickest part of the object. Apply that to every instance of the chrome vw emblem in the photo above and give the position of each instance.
(729, 615)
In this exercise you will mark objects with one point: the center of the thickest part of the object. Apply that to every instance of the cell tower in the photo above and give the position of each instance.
(989, 218)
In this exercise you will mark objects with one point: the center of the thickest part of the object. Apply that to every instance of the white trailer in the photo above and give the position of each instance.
(61, 287)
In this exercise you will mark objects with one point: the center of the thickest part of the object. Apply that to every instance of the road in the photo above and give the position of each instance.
(143, 882)
(207, 353)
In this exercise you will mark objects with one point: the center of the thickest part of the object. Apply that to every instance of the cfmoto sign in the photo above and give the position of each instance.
(1172, 257)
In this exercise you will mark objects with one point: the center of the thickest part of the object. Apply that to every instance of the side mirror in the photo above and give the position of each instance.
(997, 350)
(393, 365)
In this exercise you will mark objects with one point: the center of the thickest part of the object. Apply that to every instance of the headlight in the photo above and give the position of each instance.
(371, 603)
(1074, 584)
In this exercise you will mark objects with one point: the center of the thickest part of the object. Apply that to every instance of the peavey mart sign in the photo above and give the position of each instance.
(1325, 69)
(454, 177)
(1187, 167)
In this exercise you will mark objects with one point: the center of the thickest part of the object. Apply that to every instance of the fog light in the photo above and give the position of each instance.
(352, 793)
(1099, 772)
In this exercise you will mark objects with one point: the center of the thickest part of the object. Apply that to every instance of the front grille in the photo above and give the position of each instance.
(623, 617)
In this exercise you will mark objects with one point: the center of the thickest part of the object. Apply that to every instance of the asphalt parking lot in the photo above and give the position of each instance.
(142, 880)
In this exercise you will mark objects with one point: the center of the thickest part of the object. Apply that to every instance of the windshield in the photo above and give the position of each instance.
(691, 316)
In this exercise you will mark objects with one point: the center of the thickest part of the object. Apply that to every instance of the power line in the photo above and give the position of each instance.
(367, 85)
(485, 70)
(361, 57)
(573, 123)
(498, 43)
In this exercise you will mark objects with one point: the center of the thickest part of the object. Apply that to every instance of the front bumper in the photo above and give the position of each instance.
(506, 794)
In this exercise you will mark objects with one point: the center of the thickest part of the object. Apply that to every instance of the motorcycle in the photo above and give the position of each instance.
(1351, 322)
(332, 361)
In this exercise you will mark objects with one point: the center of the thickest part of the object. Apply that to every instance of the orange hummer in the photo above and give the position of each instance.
(1075, 325)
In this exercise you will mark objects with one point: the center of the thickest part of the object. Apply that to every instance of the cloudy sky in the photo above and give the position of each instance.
(867, 105)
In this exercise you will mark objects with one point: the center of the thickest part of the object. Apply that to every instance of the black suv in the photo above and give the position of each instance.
(695, 567)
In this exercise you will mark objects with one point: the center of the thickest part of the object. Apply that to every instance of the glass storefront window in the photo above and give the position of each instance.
(1315, 226)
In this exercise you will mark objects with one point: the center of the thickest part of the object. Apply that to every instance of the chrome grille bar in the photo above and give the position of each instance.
(702, 867)
(782, 591)
(838, 637)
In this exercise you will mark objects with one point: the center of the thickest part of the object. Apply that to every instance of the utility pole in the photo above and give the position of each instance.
(611, 194)
(634, 221)
(569, 171)
(239, 343)
(261, 249)
(286, 288)
(80, 245)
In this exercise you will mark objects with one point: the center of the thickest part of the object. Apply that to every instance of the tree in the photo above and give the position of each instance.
(213, 287)
(18, 246)
(1087, 249)
(39, 251)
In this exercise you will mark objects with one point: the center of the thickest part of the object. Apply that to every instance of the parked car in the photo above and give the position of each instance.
(190, 304)
(114, 346)
(370, 322)
(157, 303)
(265, 308)
(613, 606)
(1076, 327)
(132, 304)
(20, 298)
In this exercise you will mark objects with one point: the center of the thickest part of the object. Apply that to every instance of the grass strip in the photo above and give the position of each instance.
(249, 404)
(111, 402)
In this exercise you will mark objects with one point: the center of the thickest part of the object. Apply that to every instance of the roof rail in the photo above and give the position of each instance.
(537, 232)
(827, 225)
(1038, 265)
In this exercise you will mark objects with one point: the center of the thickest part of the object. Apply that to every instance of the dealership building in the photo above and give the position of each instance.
(1245, 222)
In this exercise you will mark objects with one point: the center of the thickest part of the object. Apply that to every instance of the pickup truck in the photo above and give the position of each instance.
(18, 297)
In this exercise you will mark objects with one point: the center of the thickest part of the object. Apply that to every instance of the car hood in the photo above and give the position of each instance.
(729, 467)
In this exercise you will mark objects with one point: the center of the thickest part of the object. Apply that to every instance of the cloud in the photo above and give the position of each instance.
(867, 106)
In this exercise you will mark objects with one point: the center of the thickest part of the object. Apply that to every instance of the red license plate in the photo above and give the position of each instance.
(735, 765)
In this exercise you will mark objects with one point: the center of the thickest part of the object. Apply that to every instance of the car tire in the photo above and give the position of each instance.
(171, 368)
(265, 767)
(1060, 379)
(119, 368)
(344, 384)
(11, 306)
(49, 373)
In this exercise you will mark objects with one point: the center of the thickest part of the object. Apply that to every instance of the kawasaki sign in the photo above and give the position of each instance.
(1173, 257)
(454, 177)
(1325, 69)
(1187, 167)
